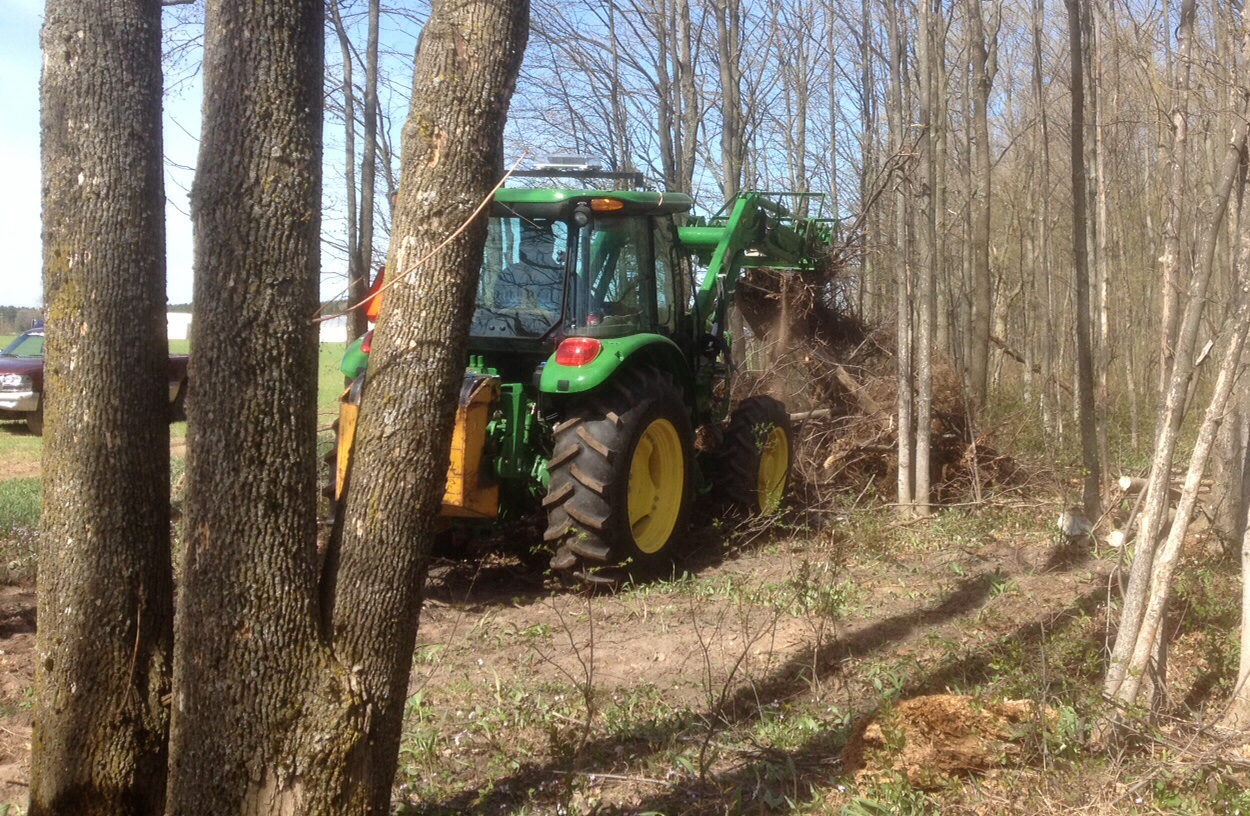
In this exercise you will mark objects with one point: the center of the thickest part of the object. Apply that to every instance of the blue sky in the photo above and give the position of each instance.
(19, 152)
(20, 59)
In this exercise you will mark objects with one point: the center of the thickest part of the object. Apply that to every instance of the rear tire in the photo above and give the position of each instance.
(621, 479)
(751, 470)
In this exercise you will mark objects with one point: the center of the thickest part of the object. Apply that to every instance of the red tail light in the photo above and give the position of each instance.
(578, 351)
(367, 342)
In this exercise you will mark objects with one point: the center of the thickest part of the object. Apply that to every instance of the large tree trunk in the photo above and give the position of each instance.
(105, 585)
(289, 682)
(254, 690)
(452, 157)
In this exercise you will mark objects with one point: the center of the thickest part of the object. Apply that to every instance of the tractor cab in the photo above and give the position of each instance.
(581, 264)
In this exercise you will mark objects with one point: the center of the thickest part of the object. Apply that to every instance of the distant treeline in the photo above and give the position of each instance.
(17, 319)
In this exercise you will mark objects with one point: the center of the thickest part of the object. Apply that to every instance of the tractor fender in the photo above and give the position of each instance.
(652, 349)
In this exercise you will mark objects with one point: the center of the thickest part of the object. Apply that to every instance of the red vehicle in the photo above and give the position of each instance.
(21, 382)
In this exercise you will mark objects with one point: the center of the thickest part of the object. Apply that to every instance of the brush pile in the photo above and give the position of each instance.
(838, 376)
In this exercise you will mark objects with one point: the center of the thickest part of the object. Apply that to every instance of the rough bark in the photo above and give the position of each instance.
(105, 585)
(254, 690)
(452, 156)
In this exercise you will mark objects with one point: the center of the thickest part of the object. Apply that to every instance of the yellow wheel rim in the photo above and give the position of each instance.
(774, 463)
(657, 478)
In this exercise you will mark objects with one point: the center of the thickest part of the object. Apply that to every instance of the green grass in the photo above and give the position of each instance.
(19, 519)
(17, 445)
(19, 503)
(329, 380)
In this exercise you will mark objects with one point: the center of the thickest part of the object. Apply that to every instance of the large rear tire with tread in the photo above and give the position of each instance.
(751, 469)
(621, 479)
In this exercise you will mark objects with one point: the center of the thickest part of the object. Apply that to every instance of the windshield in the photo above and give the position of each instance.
(611, 287)
(521, 289)
(29, 344)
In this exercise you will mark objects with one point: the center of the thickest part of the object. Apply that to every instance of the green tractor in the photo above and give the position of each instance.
(597, 348)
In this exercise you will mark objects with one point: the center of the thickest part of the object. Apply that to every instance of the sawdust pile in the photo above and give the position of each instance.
(931, 739)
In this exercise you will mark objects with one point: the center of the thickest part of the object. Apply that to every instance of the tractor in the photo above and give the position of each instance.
(598, 346)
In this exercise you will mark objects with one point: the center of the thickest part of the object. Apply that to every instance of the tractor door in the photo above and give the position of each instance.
(674, 288)
(632, 278)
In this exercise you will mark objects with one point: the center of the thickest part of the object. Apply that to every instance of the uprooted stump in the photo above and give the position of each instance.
(931, 739)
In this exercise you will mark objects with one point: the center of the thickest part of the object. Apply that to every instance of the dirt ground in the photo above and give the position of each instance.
(17, 679)
(816, 620)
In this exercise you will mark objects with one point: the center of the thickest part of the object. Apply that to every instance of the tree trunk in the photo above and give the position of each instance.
(368, 173)
(729, 47)
(896, 113)
(1230, 481)
(356, 287)
(1149, 639)
(452, 157)
(254, 690)
(1167, 431)
(1084, 329)
(1238, 714)
(291, 677)
(105, 585)
(982, 285)
(929, 49)
(1170, 262)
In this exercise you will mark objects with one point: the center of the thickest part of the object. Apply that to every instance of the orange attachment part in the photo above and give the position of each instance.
(374, 306)
(472, 490)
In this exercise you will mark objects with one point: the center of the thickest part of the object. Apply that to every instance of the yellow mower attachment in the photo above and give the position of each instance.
(472, 490)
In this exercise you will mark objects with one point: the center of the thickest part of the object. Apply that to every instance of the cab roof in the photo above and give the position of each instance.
(527, 201)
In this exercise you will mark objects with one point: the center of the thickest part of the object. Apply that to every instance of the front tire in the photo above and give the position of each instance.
(621, 479)
(751, 470)
(34, 422)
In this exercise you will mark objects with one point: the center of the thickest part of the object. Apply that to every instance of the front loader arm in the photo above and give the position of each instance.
(751, 232)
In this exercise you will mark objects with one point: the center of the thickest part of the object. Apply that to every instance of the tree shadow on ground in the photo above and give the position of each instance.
(766, 772)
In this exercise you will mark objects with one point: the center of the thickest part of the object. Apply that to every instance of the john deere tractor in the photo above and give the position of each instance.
(597, 348)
